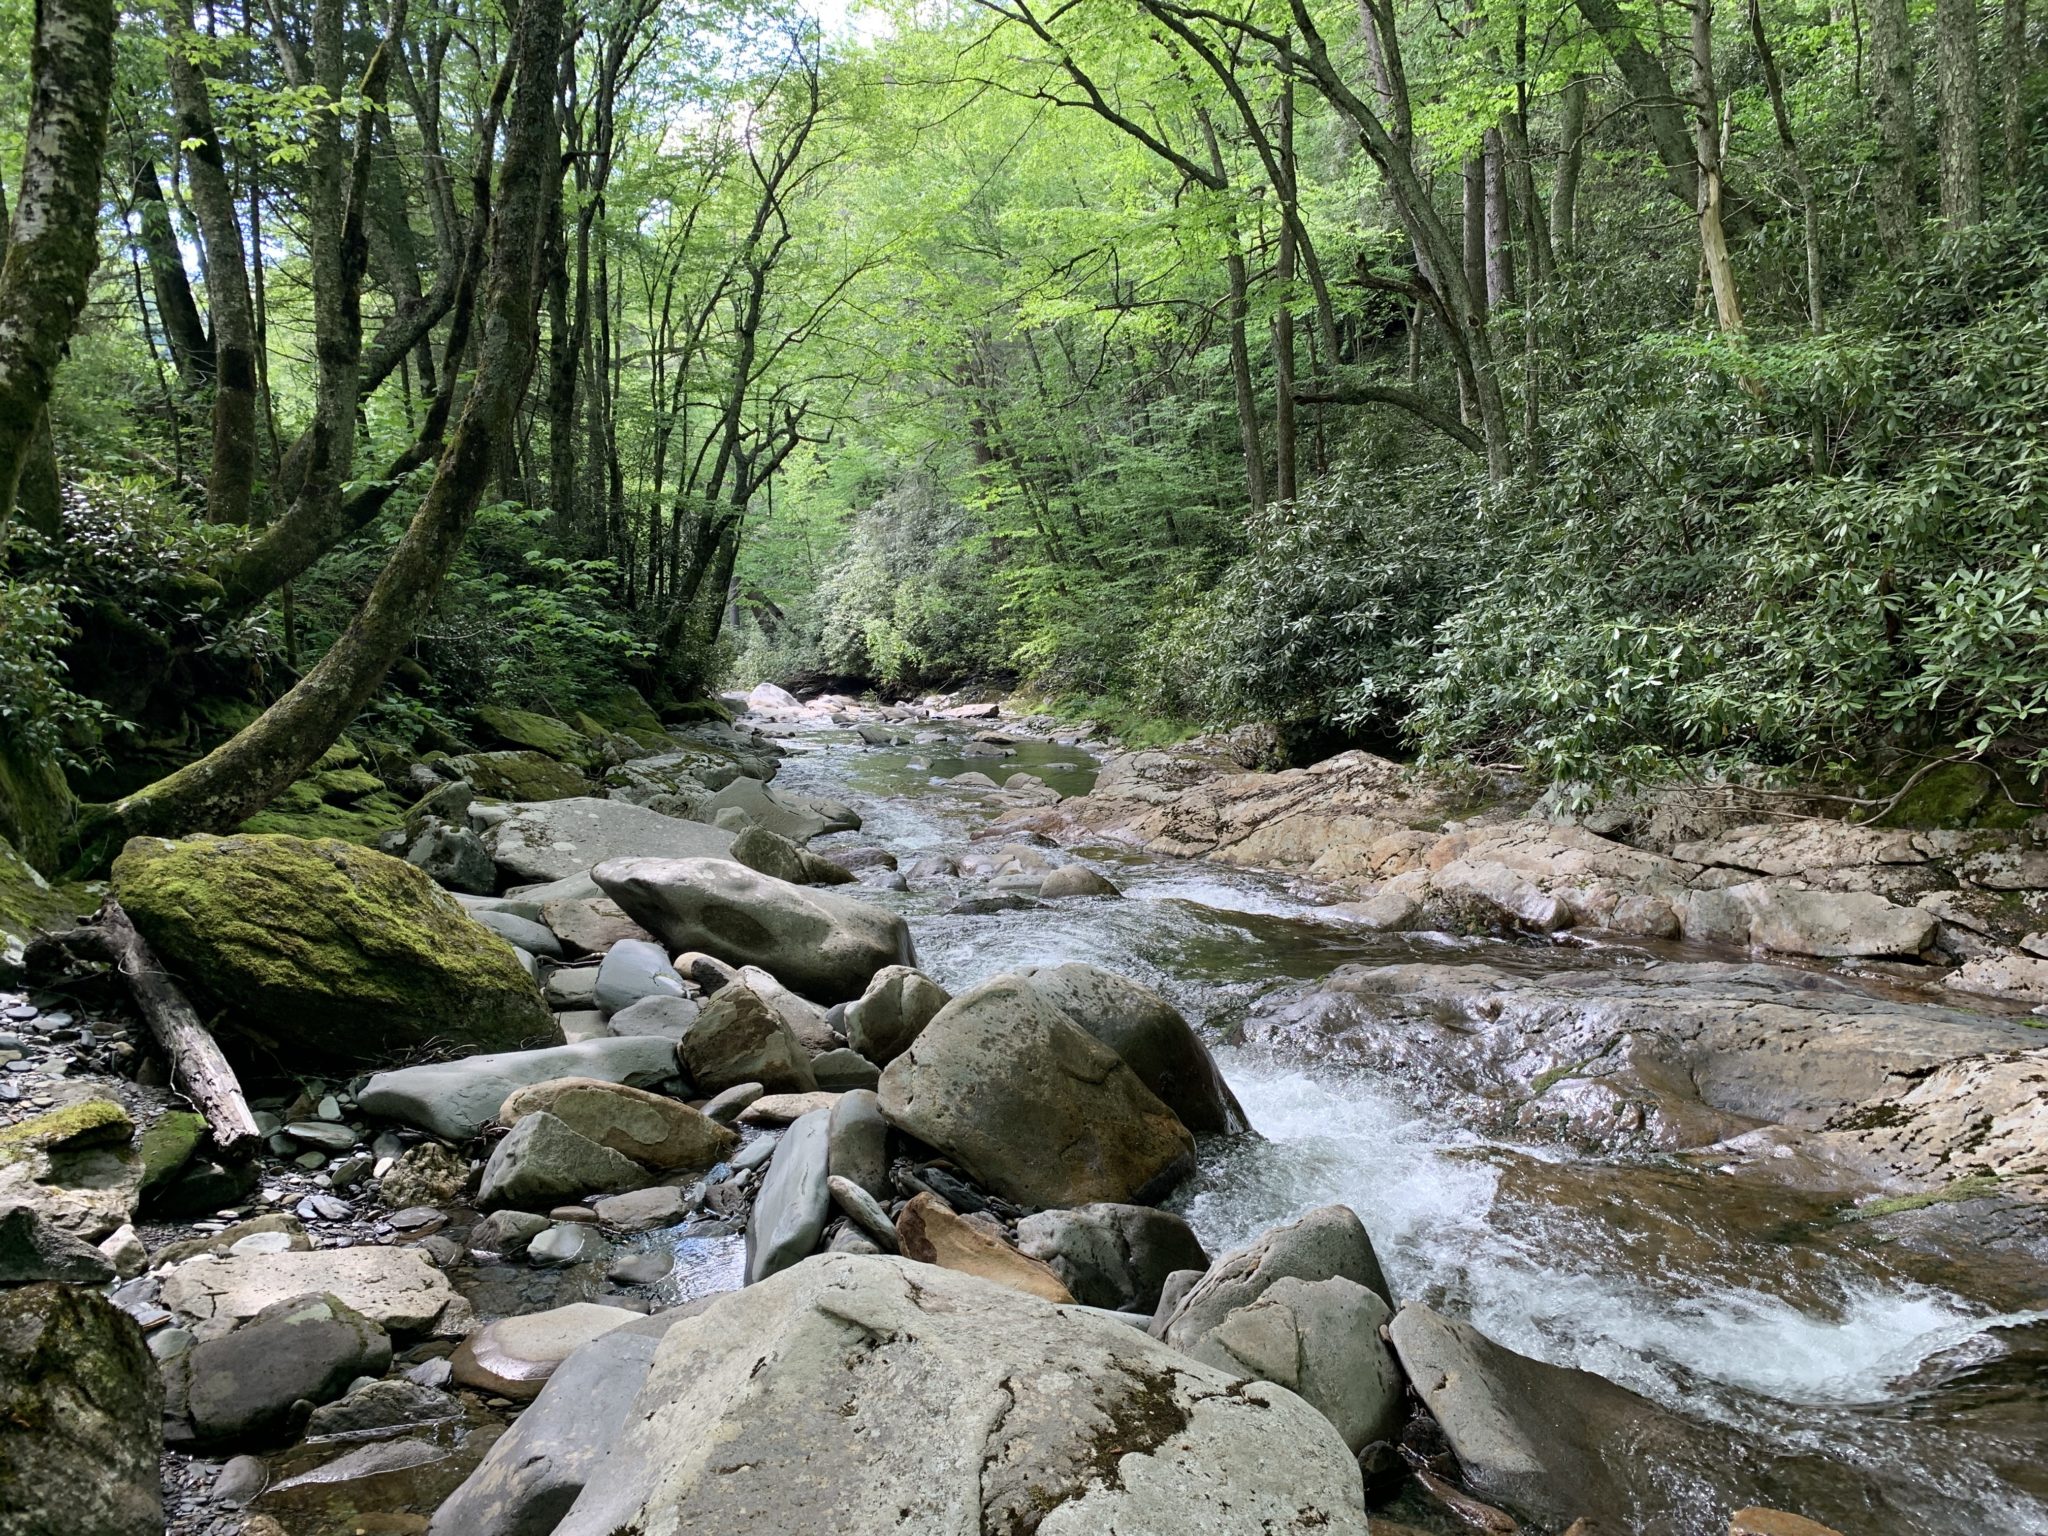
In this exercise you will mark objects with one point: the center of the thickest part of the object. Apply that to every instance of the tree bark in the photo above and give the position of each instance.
(229, 784)
(231, 482)
(1707, 137)
(176, 311)
(1284, 484)
(53, 240)
(1891, 86)
(1802, 178)
(1500, 255)
(1571, 155)
(1956, 46)
(2012, 114)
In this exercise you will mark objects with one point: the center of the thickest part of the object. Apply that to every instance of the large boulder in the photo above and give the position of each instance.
(519, 775)
(864, 1395)
(1774, 915)
(398, 1289)
(80, 1417)
(1329, 1241)
(777, 857)
(655, 1132)
(824, 946)
(457, 1099)
(1031, 1105)
(738, 1038)
(790, 816)
(896, 1006)
(559, 838)
(336, 952)
(242, 1390)
(1113, 1256)
(1151, 1036)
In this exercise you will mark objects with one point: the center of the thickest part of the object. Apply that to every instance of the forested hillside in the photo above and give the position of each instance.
(1611, 391)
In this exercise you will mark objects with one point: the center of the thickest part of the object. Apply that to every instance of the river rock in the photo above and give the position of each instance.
(456, 1099)
(453, 857)
(1113, 1256)
(1329, 1241)
(342, 954)
(795, 817)
(865, 1212)
(1320, 1339)
(81, 1410)
(843, 1069)
(592, 925)
(542, 1163)
(729, 1105)
(860, 1142)
(824, 946)
(538, 1468)
(1071, 880)
(1549, 1443)
(567, 1242)
(952, 1405)
(559, 838)
(738, 1038)
(665, 1018)
(656, 1132)
(2019, 978)
(806, 1020)
(897, 1004)
(521, 933)
(1031, 1106)
(428, 1174)
(932, 1232)
(398, 1289)
(1151, 1036)
(1774, 915)
(634, 969)
(241, 1390)
(382, 1405)
(642, 1210)
(507, 1232)
(1660, 1058)
(75, 1166)
(778, 1109)
(31, 1249)
(777, 857)
(514, 1356)
(794, 1201)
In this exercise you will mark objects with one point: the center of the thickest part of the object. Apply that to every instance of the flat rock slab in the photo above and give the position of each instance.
(865, 1394)
(554, 839)
(515, 1356)
(457, 1099)
(396, 1288)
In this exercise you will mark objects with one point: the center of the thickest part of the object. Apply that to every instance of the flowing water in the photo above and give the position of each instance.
(1821, 1367)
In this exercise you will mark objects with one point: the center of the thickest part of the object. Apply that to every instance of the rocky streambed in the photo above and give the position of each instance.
(919, 1141)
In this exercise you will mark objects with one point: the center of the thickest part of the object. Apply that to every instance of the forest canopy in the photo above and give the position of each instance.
(1617, 390)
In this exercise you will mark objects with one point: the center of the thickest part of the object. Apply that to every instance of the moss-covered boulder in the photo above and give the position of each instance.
(520, 776)
(74, 1165)
(330, 951)
(535, 733)
(167, 1147)
(29, 905)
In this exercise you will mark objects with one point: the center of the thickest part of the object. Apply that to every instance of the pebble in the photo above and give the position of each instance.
(328, 1109)
(416, 1218)
(324, 1208)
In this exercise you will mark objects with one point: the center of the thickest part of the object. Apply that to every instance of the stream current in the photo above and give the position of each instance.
(1890, 1394)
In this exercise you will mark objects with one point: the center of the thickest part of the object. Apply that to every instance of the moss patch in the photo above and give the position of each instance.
(88, 1123)
(330, 951)
(520, 776)
(1974, 1187)
(535, 733)
(623, 709)
(29, 904)
(167, 1147)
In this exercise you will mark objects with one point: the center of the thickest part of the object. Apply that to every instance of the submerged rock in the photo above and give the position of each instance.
(339, 953)
(952, 1405)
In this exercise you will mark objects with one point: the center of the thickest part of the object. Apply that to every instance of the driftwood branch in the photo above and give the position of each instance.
(198, 1068)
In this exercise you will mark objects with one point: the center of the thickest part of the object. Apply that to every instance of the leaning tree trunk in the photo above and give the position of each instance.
(245, 773)
(53, 243)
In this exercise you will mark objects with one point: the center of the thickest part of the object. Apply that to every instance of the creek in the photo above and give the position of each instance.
(1889, 1390)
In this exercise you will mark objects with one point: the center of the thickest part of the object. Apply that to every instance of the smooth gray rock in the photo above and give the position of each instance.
(567, 1242)
(633, 969)
(552, 840)
(1031, 1106)
(456, 1099)
(1071, 880)
(571, 987)
(860, 1142)
(507, 1232)
(240, 1390)
(897, 1004)
(531, 1476)
(642, 1210)
(795, 817)
(806, 1019)
(649, 1267)
(522, 934)
(454, 858)
(1116, 1257)
(1329, 1240)
(32, 1249)
(666, 1018)
(725, 1107)
(865, 1212)
(738, 1038)
(543, 1163)
(952, 1405)
(1150, 1034)
(240, 1480)
(389, 1404)
(842, 1069)
(397, 1288)
(794, 1201)
(826, 947)
(780, 859)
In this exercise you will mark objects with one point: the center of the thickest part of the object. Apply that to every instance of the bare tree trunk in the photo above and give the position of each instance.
(1283, 325)
(2012, 114)
(176, 312)
(53, 241)
(1956, 107)
(1571, 155)
(245, 773)
(1891, 84)
(1809, 205)
(1707, 137)
(1500, 255)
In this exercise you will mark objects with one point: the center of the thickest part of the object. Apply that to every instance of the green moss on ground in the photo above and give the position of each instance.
(1973, 1187)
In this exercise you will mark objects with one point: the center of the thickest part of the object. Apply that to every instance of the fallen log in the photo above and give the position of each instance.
(198, 1068)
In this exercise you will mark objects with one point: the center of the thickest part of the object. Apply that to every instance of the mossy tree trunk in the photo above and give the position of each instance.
(53, 242)
(239, 777)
